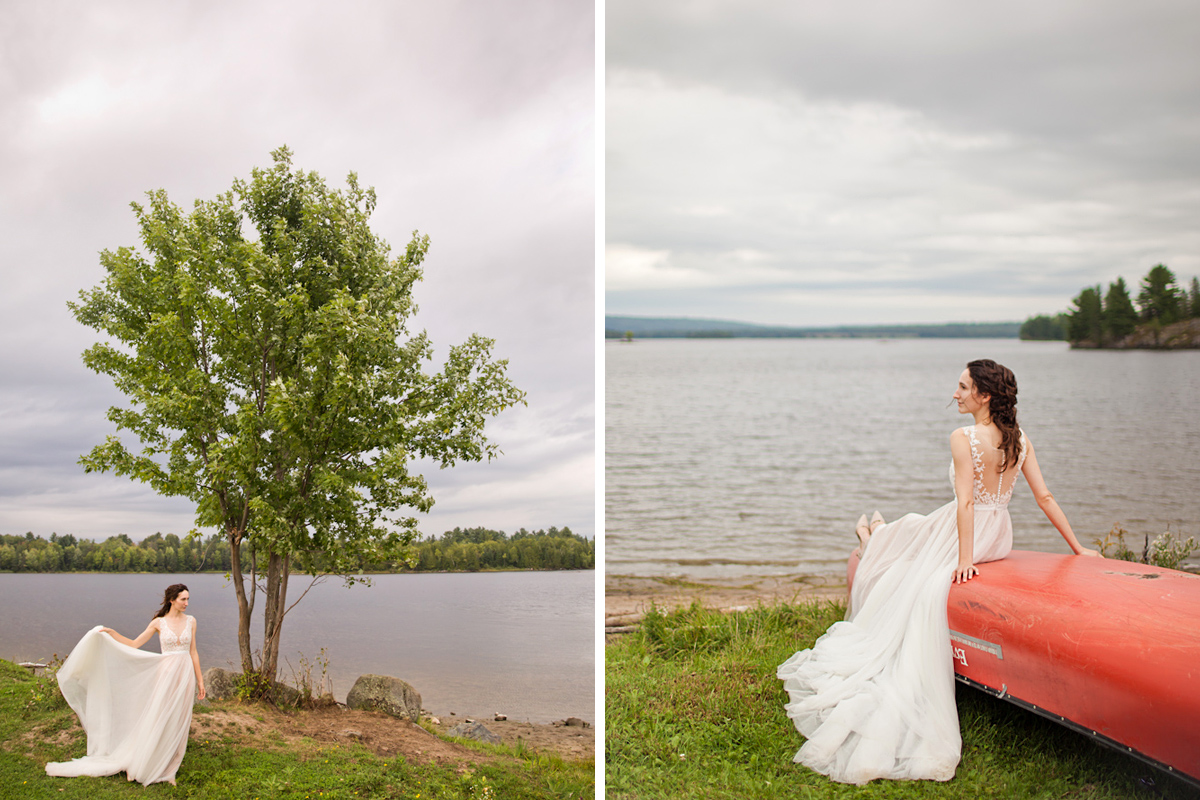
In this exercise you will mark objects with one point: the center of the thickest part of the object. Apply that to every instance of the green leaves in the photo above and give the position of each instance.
(261, 341)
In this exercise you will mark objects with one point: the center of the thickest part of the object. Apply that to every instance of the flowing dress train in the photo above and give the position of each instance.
(874, 697)
(135, 706)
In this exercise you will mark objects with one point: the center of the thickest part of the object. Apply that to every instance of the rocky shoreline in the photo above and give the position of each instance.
(1184, 335)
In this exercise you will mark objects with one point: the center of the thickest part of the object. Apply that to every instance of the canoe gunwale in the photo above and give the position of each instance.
(1003, 694)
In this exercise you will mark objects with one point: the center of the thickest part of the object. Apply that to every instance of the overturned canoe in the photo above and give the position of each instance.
(1109, 648)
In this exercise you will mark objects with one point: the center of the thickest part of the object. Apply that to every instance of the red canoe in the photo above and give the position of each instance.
(1109, 648)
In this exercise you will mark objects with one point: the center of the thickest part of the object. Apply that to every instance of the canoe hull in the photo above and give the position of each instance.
(1110, 648)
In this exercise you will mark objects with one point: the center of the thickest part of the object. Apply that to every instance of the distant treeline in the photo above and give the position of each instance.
(1045, 328)
(616, 327)
(457, 550)
(1111, 318)
(479, 548)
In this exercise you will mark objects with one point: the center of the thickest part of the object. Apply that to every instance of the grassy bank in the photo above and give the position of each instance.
(693, 709)
(36, 727)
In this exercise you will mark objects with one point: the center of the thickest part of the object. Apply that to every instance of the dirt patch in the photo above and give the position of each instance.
(383, 735)
(627, 598)
(40, 735)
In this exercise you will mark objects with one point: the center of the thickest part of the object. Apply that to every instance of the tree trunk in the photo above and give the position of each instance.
(245, 606)
(278, 569)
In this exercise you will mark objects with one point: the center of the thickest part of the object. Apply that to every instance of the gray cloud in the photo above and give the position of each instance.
(473, 121)
(820, 163)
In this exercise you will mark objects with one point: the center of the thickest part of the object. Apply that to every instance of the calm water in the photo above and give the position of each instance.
(521, 643)
(735, 457)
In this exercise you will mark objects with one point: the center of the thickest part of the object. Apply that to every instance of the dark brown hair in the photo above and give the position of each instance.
(173, 591)
(1000, 384)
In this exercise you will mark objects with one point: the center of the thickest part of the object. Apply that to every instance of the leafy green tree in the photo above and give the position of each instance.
(1194, 299)
(273, 381)
(9, 560)
(1086, 320)
(1159, 296)
(1120, 317)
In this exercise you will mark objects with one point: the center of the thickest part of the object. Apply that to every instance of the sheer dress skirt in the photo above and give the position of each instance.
(874, 697)
(135, 706)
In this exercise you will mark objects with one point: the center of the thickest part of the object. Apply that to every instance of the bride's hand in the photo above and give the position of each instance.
(964, 572)
(1089, 552)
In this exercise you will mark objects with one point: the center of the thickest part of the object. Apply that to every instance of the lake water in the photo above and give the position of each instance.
(751, 456)
(521, 643)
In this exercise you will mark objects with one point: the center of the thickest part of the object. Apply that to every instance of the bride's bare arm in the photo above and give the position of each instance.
(196, 662)
(140, 640)
(1047, 503)
(964, 489)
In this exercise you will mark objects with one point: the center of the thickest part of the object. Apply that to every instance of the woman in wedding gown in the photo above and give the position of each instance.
(135, 706)
(874, 697)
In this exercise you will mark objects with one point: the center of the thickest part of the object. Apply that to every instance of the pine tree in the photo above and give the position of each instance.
(1120, 317)
(1086, 320)
(1159, 297)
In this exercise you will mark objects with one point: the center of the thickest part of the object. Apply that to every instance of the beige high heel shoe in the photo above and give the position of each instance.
(876, 521)
(864, 533)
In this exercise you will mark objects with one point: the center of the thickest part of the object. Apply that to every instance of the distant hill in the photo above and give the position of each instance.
(691, 328)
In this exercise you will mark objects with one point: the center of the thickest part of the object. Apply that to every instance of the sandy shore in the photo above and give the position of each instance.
(627, 597)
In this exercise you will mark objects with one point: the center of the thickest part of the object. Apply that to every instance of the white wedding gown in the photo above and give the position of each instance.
(135, 706)
(874, 697)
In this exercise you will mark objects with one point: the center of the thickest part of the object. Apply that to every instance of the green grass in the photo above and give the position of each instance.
(224, 768)
(693, 709)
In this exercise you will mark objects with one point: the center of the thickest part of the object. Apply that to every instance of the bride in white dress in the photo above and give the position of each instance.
(135, 706)
(874, 697)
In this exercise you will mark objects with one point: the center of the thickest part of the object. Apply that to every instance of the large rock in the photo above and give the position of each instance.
(387, 694)
(220, 684)
(474, 730)
(284, 695)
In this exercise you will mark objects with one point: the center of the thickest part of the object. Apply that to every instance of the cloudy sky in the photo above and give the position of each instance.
(821, 162)
(473, 121)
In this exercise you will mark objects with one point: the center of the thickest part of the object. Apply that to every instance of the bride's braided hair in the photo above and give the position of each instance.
(173, 591)
(999, 382)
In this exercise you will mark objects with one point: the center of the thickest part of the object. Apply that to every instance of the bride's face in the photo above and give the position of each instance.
(180, 602)
(969, 400)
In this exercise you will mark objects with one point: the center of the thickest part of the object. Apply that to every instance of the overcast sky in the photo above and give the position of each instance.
(473, 121)
(826, 162)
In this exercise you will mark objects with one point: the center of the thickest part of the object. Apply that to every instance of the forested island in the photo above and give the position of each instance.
(459, 550)
(1166, 316)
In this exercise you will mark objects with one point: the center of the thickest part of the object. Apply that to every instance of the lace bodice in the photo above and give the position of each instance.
(981, 495)
(172, 642)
